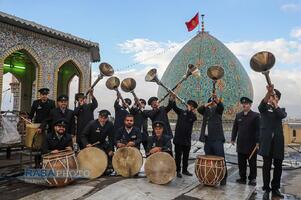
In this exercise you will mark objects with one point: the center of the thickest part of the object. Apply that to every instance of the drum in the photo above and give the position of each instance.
(127, 161)
(160, 168)
(64, 165)
(32, 138)
(210, 170)
(93, 160)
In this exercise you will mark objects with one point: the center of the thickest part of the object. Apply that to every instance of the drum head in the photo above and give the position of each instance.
(127, 161)
(210, 157)
(160, 168)
(93, 159)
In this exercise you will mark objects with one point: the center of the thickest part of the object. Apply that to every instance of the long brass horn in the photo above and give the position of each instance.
(105, 69)
(262, 62)
(113, 84)
(128, 85)
(215, 73)
(152, 76)
(191, 70)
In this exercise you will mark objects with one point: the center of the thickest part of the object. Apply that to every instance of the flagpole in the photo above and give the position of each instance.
(199, 28)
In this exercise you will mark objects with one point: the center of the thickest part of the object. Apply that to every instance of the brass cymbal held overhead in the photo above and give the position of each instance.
(191, 70)
(152, 76)
(112, 84)
(262, 62)
(105, 69)
(215, 73)
(128, 85)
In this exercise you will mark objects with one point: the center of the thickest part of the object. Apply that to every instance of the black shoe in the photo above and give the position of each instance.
(179, 175)
(277, 193)
(241, 181)
(252, 182)
(187, 173)
(223, 182)
(266, 195)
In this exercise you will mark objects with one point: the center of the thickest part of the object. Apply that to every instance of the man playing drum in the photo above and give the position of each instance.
(246, 130)
(140, 120)
(182, 139)
(84, 113)
(128, 135)
(159, 142)
(99, 130)
(159, 113)
(271, 139)
(58, 139)
(212, 133)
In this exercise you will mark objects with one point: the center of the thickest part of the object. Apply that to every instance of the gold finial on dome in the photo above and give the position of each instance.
(203, 26)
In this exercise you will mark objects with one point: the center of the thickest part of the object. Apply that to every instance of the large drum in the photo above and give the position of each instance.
(160, 168)
(64, 165)
(210, 170)
(93, 160)
(127, 161)
(32, 138)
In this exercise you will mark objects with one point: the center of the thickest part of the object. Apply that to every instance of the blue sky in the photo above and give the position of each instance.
(112, 22)
(143, 28)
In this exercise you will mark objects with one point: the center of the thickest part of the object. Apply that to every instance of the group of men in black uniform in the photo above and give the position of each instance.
(250, 129)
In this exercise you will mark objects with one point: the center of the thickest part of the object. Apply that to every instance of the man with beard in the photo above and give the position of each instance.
(128, 135)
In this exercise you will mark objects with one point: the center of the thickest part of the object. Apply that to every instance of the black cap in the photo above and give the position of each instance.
(128, 101)
(142, 101)
(62, 97)
(158, 124)
(245, 100)
(79, 95)
(150, 100)
(192, 103)
(60, 122)
(44, 91)
(278, 93)
(104, 113)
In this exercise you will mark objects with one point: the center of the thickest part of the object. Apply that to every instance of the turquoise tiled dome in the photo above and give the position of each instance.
(204, 51)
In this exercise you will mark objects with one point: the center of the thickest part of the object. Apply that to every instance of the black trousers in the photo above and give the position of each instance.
(144, 144)
(242, 165)
(216, 148)
(182, 150)
(266, 173)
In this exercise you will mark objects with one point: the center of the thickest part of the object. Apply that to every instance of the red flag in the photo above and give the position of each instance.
(194, 22)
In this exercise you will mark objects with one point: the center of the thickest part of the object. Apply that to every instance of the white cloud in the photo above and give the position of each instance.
(291, 7)
(296, 32)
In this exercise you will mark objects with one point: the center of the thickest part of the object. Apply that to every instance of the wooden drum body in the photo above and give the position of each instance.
(94, 160)
(210, 170)
(160, 168)
(127, 161)
(32, 138)
(61, 164)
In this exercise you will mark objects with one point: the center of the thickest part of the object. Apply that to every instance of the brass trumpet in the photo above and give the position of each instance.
(215, 73)
(262, 62)
(191, 70)
(152, 76)
(128, 85)
(105, 70)
(113, 84)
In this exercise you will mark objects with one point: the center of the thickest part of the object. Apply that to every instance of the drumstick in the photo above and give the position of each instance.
(95, 143)
(254, 150)
(25, 119)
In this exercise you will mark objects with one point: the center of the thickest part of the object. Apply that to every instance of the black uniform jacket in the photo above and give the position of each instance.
(56, 114)
(163, 142)
(271, 131)
(84, 114)
(212, 117)
(140, 122)
(40, 110)
(95, 132)
(52, 142)
(122, 136)
(120, 113)
(246, 130)
(184, 126)
(160, 114)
